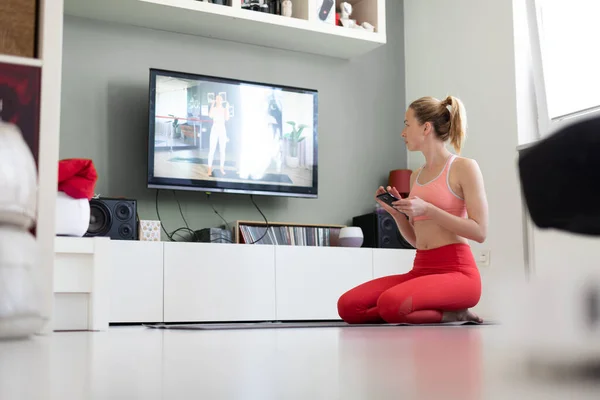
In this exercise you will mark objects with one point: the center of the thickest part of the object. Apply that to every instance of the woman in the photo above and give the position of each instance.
(219, 114)
(446, 207)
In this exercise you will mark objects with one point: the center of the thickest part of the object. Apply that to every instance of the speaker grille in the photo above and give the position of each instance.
(123, 211)
(100, 219)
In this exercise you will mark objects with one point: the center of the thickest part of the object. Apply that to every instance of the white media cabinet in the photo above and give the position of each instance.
(100, 281)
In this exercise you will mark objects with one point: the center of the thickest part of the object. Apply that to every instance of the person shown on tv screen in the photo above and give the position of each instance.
(218, 134)
(446, 207)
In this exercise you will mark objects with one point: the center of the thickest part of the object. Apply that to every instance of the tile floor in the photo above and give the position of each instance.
(446, 363)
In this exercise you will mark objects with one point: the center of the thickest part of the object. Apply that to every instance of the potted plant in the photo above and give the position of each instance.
(294, 138)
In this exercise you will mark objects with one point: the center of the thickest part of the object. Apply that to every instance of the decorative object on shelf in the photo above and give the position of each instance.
(255, 5)
(286, 8)
(351, 236)
(20, 314)
(345, 13)
(368, 27)
(20, 100)
(400, 179)
(150, 230)
(72, 217)
(274, 6)
(345, 10)
(77, 179)
(326, 11)
(346, 22)
(294, 138)
(18, 27)
(220, 2)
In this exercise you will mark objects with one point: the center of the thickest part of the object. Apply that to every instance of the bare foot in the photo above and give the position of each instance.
(223, 171)
(210, 172)
(462, 315)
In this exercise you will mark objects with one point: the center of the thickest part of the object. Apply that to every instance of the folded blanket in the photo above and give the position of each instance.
(77, 178)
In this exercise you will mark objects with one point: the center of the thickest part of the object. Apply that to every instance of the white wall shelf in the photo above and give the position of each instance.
(302, 32)
(34, 62)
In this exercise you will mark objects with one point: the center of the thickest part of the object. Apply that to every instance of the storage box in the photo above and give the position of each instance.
(149, 230)
(18, 27)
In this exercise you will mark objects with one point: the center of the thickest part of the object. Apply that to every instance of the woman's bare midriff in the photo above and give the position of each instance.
(430, 235)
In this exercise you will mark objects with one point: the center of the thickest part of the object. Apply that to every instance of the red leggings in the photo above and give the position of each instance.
(442, 279)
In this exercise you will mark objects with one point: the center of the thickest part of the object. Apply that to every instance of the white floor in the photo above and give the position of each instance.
(325, 363)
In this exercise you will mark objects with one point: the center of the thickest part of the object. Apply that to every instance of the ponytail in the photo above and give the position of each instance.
(448, 117)
(458, 122)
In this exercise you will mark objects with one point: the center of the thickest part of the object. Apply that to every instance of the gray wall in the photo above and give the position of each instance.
(105, 101)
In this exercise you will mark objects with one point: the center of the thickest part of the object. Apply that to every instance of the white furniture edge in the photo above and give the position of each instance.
(34, 62)
(99, 251)
(100, 296)
(50, 35)
(49, 60)
(233, 23)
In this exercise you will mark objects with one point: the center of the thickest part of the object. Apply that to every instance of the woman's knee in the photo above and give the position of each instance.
(392, 308)
(349, 308)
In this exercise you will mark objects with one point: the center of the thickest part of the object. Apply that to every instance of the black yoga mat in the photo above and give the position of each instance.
(312, 324)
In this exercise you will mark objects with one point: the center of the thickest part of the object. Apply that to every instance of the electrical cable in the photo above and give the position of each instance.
(265, 218)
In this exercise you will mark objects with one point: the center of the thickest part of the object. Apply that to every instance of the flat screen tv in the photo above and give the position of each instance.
(217, 134)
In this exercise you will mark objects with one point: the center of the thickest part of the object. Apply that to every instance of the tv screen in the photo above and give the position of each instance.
(224, 135)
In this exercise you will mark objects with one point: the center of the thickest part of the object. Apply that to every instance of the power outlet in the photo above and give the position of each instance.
(483, 257)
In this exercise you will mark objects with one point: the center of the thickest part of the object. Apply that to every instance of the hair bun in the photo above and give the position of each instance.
(447, 103)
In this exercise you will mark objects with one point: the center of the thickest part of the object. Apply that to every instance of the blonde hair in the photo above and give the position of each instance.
(448, 117)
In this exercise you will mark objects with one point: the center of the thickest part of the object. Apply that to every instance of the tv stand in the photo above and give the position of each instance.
(145, 282)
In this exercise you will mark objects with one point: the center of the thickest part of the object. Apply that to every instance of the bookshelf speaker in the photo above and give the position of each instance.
(113, 218)
(380, 231)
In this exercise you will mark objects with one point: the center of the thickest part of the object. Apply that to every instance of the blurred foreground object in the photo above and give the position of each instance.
(557, 315)
(560, 179)
(19, 294)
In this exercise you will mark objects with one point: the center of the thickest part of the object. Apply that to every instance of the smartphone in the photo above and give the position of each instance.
(388, 199)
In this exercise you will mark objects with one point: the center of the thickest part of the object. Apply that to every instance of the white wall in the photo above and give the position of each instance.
(466, 48)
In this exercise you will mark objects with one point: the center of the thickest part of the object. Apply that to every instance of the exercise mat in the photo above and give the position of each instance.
(308, 324)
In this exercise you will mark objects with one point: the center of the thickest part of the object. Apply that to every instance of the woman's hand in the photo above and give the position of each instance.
(402, 221)
(413, 207)
(386, 207)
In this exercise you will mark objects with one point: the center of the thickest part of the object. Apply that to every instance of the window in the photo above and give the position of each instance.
(566, 60)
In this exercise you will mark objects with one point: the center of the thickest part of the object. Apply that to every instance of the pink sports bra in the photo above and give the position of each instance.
(439, 193)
